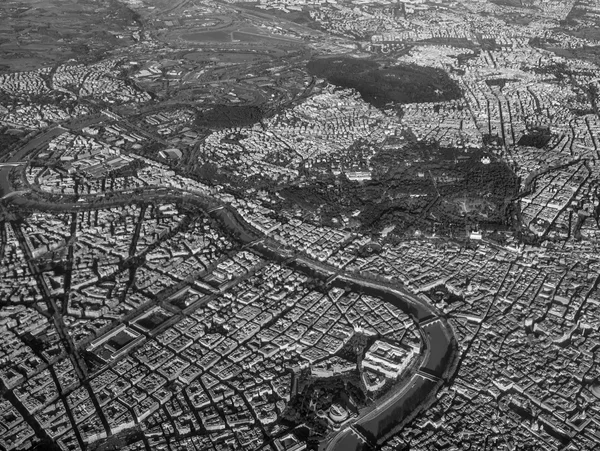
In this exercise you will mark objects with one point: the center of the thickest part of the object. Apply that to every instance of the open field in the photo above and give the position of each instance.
(208, 36)
(233, 35)
(38, 33)
(225, 57)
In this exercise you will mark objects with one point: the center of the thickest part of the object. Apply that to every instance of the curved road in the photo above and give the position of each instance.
(372, 427)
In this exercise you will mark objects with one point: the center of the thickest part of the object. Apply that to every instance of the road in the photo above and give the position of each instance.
(374, 425)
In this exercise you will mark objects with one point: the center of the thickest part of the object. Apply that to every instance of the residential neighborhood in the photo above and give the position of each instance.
(299, 225)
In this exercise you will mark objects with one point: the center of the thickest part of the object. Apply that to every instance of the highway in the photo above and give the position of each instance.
(373, 425)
